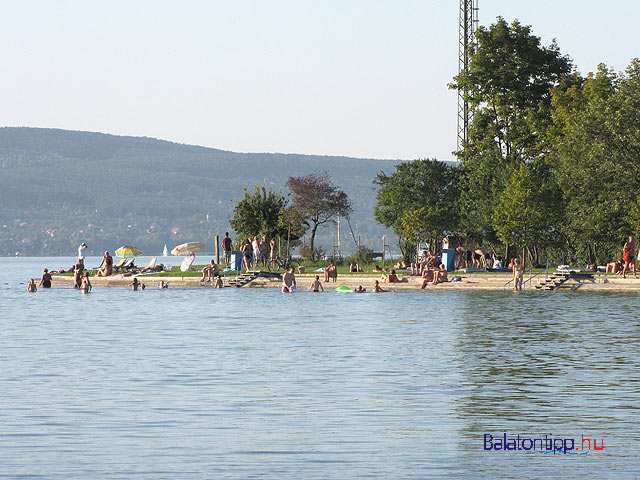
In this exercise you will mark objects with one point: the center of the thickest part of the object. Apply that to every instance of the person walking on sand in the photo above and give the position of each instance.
(518, 273)
(227, 244)
(289, 281)
(629, 257)
(316, 285)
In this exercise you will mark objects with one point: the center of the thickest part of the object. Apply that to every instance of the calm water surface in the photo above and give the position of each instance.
(251, 383)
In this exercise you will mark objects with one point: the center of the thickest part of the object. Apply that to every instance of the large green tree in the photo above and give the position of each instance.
(508, 85)
(258, 213)
(596, 157)
(319, 201)
(418, 201)
(525, 215)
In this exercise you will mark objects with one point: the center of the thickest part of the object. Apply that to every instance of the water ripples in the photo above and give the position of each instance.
(199, 383)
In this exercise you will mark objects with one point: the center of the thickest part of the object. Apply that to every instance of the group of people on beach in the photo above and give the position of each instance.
(257, 252)
(628, 261)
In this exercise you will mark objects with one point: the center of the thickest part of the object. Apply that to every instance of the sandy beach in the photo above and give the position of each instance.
(469, 281)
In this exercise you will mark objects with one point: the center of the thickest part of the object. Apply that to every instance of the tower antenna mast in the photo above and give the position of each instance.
(468, 27)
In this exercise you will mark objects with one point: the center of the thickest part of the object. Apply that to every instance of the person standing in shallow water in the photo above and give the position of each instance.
(289, 281)
(77, 274)
(45, 281)
(518, 273)
(134, 284)
(86, 284)
(629, 257)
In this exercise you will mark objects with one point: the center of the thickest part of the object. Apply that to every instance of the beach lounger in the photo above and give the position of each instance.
(120, 264)
(124, 264)
(150, 266)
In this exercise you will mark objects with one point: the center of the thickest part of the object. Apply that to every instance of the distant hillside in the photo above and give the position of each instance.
(60, 187)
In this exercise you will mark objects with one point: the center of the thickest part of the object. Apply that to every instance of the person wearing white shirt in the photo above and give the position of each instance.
(81, 250)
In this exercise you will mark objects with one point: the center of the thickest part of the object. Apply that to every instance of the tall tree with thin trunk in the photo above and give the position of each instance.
(319, 200)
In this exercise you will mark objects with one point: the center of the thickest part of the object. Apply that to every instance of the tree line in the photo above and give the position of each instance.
(551, 165)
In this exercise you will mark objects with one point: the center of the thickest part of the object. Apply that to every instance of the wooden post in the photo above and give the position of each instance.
(217, 248)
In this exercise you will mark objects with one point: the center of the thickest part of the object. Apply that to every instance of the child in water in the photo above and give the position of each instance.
(31, 286)
(316, 285)
(359, 289)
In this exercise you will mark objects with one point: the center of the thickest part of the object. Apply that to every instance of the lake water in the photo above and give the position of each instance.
(251, 383)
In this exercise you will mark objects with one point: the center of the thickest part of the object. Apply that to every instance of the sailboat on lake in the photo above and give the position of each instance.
(165, 251)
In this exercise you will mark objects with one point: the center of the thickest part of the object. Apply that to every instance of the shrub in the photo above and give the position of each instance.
(363, 256)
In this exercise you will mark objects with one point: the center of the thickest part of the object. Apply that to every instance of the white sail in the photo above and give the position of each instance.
(165, 252)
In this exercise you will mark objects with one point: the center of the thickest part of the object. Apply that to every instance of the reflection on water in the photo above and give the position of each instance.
(195, 383)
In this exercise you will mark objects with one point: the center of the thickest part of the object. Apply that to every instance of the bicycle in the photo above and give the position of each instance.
(282, 264)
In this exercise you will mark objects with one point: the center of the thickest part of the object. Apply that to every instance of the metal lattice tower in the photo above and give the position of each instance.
(468, 26)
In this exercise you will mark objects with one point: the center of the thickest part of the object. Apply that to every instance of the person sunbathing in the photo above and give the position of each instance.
(427, 278)
(440, 275)
(210, 271)
(615, 267)
(331, 272)
(106, 267)
(391, 277)
(416, 268)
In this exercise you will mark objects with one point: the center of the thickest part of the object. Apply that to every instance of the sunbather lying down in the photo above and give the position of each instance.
(391, 277)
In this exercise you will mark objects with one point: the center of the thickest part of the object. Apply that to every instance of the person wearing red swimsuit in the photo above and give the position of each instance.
(628, 256)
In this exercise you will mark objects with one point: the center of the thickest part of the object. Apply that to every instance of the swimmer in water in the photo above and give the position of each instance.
(31, 286)
(376, 287)
(359, 289)
(217, 282)
(316, 285)
(163, 285)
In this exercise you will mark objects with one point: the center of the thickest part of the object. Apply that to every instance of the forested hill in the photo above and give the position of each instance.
(60, 187)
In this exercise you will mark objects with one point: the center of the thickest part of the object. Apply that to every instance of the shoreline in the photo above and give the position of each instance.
(470, 281)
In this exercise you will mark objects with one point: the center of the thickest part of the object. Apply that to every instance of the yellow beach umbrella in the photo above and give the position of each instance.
(128, 251)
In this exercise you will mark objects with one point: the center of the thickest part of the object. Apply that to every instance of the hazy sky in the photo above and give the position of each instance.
(365, 78)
